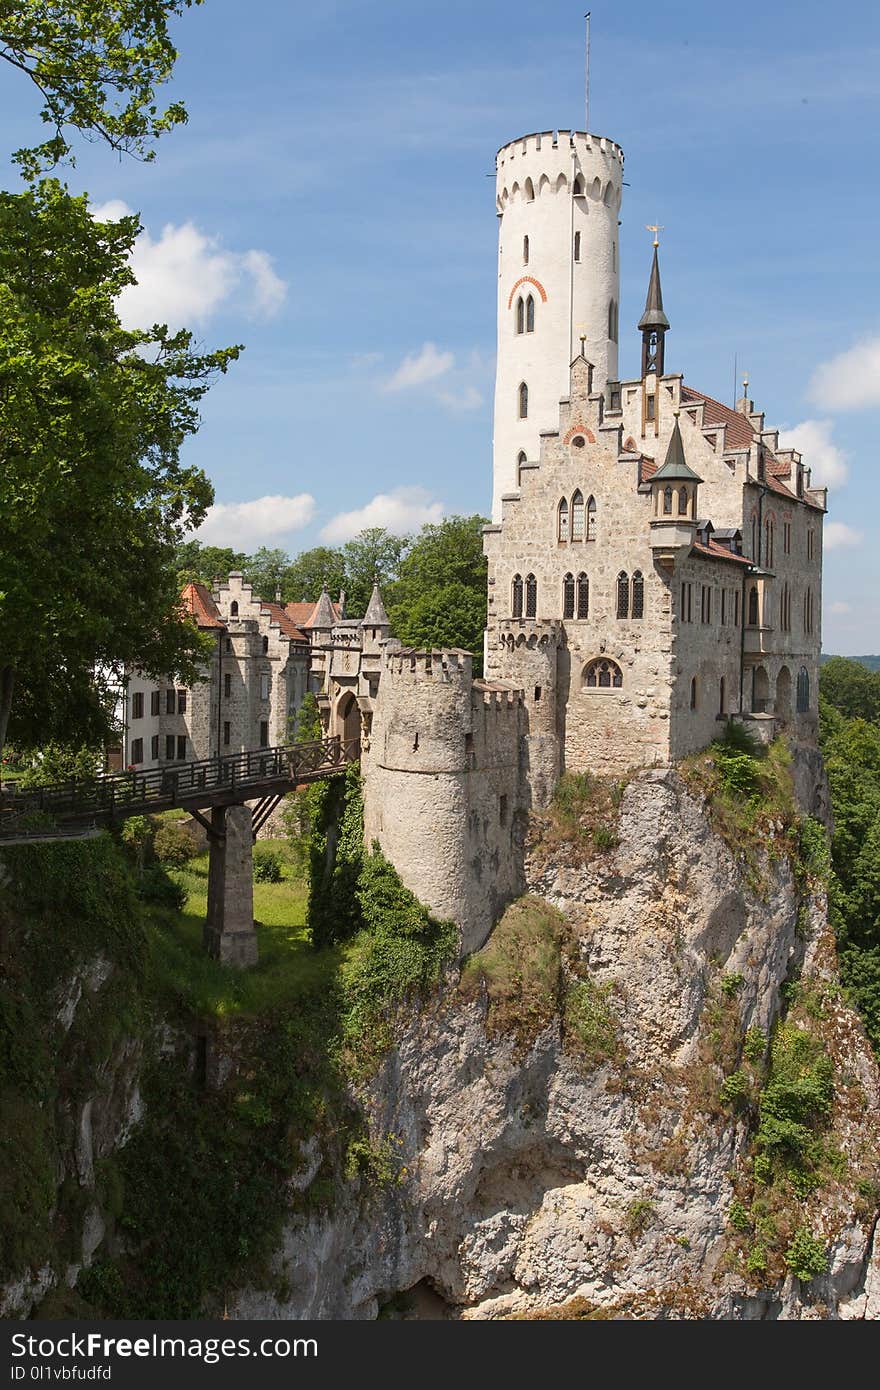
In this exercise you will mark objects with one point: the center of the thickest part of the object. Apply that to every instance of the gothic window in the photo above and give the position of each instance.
(591, 519)
(517, 598)
(520, 315)
(583, 596)
(803, 691)
(233, 609)
(623, 594)
(530, 314)
(525, 250)
(562, 526)
(531, 596)
(529, 191)
(568, 596)
(577, 246)
(682, 501)
(520, 460)
(578, 186)
(667, 501)
(753, 606)
(577, 516)
(523, 399)
(638, 595)
(602, 674)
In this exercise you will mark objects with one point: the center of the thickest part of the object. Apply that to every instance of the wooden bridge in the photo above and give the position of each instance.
(216, 792)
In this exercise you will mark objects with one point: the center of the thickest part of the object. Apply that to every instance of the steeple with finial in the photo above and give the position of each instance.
(654, 324)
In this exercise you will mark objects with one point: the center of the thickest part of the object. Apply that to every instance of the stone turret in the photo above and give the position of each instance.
(653, 325)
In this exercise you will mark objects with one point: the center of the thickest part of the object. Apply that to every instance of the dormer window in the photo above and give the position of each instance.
(233, 609)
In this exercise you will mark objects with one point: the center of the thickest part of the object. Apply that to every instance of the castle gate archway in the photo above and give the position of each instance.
(348, 718)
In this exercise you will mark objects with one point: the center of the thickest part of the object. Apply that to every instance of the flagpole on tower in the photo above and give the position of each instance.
(587, 75)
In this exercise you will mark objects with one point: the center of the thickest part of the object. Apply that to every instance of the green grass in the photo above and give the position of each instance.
(520, 969)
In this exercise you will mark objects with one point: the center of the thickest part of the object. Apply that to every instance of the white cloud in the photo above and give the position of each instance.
(402, 511)
(839, 609)
(851, 380)
(421, 367)
(812, 438)
(247, 525)
(839, 536)
(185, 275)
(468, 398)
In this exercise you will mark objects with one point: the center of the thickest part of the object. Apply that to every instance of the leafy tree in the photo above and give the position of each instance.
(851, 688)
(204, 563)
(439, 598)
(96, 65)
(372, 555)
(310, 571)
(265, 571)
(93, 495)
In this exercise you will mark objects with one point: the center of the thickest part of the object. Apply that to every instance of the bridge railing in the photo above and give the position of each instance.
(127, 792)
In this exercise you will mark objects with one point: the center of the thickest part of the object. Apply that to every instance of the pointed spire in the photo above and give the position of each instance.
(375, 615)
(654, 317)
(323, 616)
(654, 324)
(675, 465)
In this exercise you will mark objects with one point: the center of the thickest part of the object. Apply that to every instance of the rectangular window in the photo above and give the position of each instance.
(181, 747)
(154, 747)
(264, 687)
(649, 407)
(137, 705)
(227, 733)
(786, 537)
(137, 750)
(810, 544)
(502, 810)
(170, 701)
(181, 702)
(154, 701)
(723, 607)
(686, 598)
(169, 747)
(264, 733)
(227, 686)
(706, 603)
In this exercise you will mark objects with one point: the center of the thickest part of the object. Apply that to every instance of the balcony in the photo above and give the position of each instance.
(758, 640)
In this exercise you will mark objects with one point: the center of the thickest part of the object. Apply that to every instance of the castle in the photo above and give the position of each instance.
(654, 570)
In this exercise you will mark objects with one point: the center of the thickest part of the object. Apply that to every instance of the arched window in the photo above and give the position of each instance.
(520, 315)
(516, 604)
(531, 596)
(577, 516)
(753, 606)
(562, 523)
(577, 246)
(265, 646)
(520, 460)
(577, 187)
(530, 314)
(568, 596)
(638, 595)
(667, 501)
(682, 501)
(803, 691)
(623, 594)
(693, 692)
(602, 674)
(525, 250)
(523, 401)
(529, 191)
(591, 519)
(583, 596)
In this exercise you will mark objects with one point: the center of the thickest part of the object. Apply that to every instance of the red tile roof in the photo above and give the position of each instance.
(647, 468)
(284, 621)
(197, 601)
(301, 613)
(715, 551)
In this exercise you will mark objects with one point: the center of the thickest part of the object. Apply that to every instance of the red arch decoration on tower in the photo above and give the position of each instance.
(580, 429)
(528, 280)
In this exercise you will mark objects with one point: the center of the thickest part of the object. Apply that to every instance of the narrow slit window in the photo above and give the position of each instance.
(525, 250)
(623, 595)
(516, 606)
(520, 315)
(531, 596)
(591, 519)
(562, 526)
(667, 501)
(530, 314)
(523, 401)
(568, 596)
(583, 596)
(638, 595)
(577, 516)
(577, 246)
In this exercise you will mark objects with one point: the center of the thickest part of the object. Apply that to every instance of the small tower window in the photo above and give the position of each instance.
(531, 596)
(667, 501)
(523, 399)
(562, 526)
(591, 519)
(638, 595)
(603, 675)
(233, 609)
(753, 606)
(682, 501)
(520, 460)
(577, 516)
(530, 314)
(529, 191)
(568, 596)
(265, 646)
(577, 246)
(520, 315)
(525, 250)
(623, 594)
(578, 186)
(516, 604)
(583, 596)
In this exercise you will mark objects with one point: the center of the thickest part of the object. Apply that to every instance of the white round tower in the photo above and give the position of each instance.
(558, 198)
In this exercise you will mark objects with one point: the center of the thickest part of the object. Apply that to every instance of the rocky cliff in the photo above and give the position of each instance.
(648, 1151)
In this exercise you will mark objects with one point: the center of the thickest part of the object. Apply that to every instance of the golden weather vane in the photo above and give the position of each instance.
(655, 227)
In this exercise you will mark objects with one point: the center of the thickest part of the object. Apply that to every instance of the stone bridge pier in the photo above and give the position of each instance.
(229, 934)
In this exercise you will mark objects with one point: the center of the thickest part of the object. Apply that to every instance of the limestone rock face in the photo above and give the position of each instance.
(529, 1177)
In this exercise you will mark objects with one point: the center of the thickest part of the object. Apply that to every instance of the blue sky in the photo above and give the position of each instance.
(328, 206)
